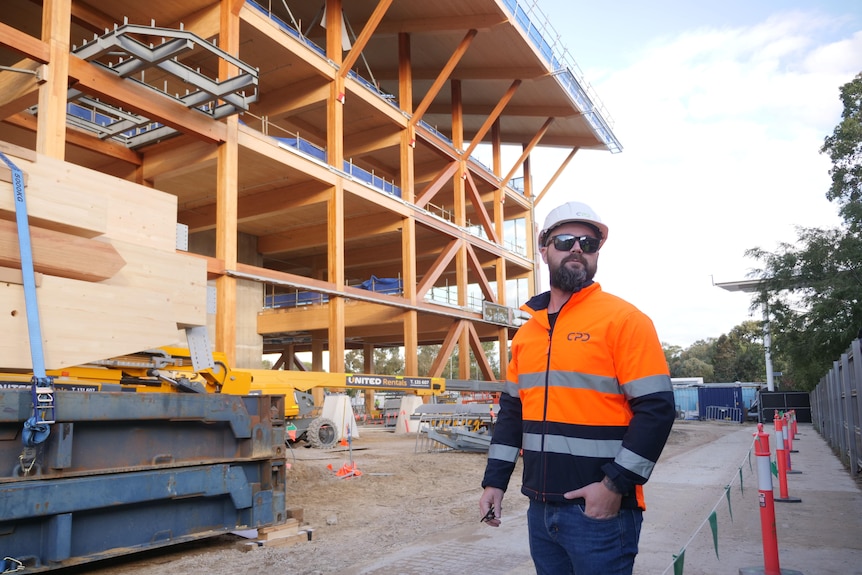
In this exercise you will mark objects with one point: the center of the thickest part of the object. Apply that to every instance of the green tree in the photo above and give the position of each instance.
(844, 147)
(428, 353)
(694, 361)
(387, 361)
(390, 361)
(813, 288)
(739, 355)
(694, 367)
(671, 356)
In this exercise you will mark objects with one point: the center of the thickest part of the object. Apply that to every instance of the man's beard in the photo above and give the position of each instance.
(572, 279)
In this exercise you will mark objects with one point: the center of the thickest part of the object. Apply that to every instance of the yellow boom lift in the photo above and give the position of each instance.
(172, 370)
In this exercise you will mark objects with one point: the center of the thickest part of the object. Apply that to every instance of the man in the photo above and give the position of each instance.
(588, 403)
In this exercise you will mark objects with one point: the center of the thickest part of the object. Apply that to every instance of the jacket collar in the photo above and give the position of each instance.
(538, 304)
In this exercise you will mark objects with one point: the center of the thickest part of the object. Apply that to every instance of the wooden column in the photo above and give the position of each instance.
(408, 229)
(335, 239)
(460, 210)
(227, 176)
(368, 367)
(290, 359)
(335, 158)
(502, 333)
(317, 348)
(337, 95)
(51, 121)
(496, 149)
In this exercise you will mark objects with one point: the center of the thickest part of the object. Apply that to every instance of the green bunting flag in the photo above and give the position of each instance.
(741, 490)
(713, 524)
(774, 467)
(727, 494)
(679, 563)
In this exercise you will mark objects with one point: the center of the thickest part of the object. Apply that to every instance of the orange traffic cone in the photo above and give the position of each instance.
(348, 470)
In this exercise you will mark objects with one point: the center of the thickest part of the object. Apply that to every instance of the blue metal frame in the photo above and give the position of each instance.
(127, 472)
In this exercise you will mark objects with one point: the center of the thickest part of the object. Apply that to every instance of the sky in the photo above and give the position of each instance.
(721, 109)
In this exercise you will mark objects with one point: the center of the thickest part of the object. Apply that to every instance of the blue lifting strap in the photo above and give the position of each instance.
(36, 428)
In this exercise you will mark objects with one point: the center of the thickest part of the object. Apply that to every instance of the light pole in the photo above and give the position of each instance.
(752, 286)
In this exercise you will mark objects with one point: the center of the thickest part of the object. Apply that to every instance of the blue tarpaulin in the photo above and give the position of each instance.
(382, 285)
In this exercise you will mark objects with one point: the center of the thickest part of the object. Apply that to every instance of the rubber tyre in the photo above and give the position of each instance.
(322, 433)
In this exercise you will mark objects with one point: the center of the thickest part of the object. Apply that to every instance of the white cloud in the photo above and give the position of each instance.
(721, 131)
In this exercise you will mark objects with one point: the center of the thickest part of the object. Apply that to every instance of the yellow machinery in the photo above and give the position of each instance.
(171, 370)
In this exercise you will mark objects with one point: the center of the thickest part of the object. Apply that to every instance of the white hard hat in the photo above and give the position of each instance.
(573, 212)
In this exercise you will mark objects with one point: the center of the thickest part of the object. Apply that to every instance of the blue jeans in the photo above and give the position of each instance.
(563, 540)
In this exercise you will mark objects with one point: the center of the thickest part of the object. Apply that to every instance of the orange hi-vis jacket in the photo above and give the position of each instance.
(587, 398)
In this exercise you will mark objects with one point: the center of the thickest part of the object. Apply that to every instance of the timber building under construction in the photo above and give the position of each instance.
(322, 154)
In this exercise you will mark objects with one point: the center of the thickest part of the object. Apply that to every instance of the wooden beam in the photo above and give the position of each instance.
(511, 111)
(479, 353)
(255, 206)
(555, 176)
(81, 139)
(443, 76)
(482, 279)
(447, 347)
(437, 184)
(315, 236)
(492, 118)
(24, 44)
(172, 160)
(485, 219)
(405, 75)
(210, 21)
(19, 90)
(561, 140)
(371, 141)
(294, 98)
(527, 150)
(61, 254)
(470, 73)
(442, 24)
(437, 268)
(91, 19)
(364, 36)
(261, 144)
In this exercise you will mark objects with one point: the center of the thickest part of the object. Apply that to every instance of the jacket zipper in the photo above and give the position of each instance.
(545, 408)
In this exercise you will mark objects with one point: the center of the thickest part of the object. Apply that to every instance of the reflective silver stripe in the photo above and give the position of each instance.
(635, 463)
(576, 380)
(528, 380)
(503, 452)
(511, 388)
(570, 379)
(604, 448)
(647, 385)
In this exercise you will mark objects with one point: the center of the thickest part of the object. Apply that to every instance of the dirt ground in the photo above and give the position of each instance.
(402, 496)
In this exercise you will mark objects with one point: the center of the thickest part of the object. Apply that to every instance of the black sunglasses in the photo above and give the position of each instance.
(565, 243)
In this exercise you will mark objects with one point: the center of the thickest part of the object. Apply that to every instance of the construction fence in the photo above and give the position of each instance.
(836, 407)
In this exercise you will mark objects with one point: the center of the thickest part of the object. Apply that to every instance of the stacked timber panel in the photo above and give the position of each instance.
(111, 281)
